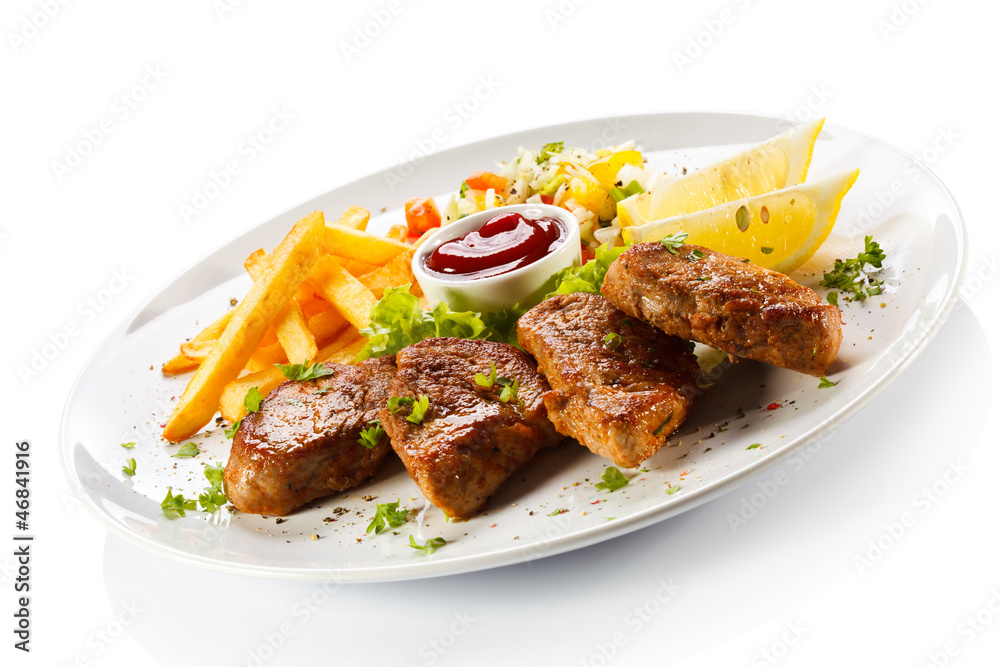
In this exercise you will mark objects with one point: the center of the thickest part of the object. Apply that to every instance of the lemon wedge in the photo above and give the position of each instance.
(780, 162)
(778, 230)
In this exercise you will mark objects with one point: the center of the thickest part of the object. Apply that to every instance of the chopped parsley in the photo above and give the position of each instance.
(231, 431)
(175, 506)
(487, 382)
(613, 480)
(188, 450)
(850, 277)
(419, 410)
(561, 510)
(754, 445)
(397, 403)
(674, 241)
(213, 497)
(612, 340)
(128, 445)
(303, 372)
(548, 150)
(387, 515)
(673, 489)
(695, 255)
(252, 400)
(129, 467)
(371, 436)
(430, 546)
(824, 383)
(509, 391)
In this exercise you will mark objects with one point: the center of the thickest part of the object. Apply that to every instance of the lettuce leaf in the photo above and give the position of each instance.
(590, 276)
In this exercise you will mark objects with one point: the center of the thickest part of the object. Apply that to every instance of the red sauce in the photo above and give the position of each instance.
(506, 242)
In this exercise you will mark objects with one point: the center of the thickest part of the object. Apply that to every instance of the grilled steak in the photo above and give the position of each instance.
(619, 386)
(302, 443)
(739, 308)
(469, 440)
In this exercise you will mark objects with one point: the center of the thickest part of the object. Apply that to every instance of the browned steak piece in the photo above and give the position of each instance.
(734, 306)
(469, 440)
(619, 386)
(302, 443)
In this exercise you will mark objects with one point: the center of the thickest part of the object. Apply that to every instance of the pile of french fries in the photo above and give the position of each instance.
(309, 300)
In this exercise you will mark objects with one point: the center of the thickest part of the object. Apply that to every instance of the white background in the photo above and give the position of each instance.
(788, 583)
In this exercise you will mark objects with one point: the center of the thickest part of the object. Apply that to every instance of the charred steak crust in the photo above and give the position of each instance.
(469, 441)
(737, 307)
(302, 443)
(619, 386)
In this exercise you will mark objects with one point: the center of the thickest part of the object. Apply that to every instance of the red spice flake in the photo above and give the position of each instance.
(773, 406)
(493, 526)
(595, 502)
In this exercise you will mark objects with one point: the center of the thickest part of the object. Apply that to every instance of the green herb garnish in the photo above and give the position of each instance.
(128, 445)
(613, 480)
(509, 390)
(612, 340)
(695, 255)
(824, 383)
(213, 497)
(487, 382)
(849, 276)
(561, 510)
(231, 431)
(430, 546)
(548, 150)
(187, 451)
(129, 467)
(175, 506)
(371, 436)
(673, 489)
(252, 400)
(754, 445)
(659, 429)
(416, 416)
(305, 371)
(387, 515)
(674, 241)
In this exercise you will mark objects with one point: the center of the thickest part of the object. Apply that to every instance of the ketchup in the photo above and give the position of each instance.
(506, 242)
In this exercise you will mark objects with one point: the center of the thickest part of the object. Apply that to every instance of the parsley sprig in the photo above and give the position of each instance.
(850, 276)
(372, 435)
(187, 451)
(387, 515)
(430, 546)
(613, 480)
(303, 372)
(508, 386)
(674, 241)
(213, 497)
(129, 467)
(176, 506)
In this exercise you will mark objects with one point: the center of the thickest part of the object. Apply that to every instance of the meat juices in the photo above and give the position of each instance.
(739, 308)
(302, 443)
(619, 386)
(469, 441)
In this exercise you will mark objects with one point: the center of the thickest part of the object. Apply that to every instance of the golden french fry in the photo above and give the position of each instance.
(360, 246)
(292, 261)
(327, 324)
(314, 307)
(267, 355)
(197, 350)
(342, 351)
(398, 233)
(355, 217)
(344, 292)
(398, 271)
(180, 364)
(290, 324)
(356, 268)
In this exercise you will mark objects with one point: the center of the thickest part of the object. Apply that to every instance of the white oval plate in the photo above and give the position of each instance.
(118, 398)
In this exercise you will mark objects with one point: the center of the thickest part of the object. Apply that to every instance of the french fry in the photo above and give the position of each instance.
(355, 217)
(398, 271)
(342, 351)
(182, 363)
(356, 268)
(327, 324)
(292, 261)
(290, 325)
(360, 246)
(314, 307)
(344, 292)
(197, 350)
(265, 356)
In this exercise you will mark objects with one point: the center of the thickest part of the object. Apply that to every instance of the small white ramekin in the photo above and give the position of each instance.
(524, 285)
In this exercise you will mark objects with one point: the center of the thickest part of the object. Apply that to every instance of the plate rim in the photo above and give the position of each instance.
(427, 567)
